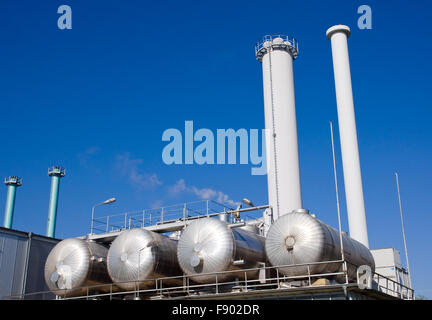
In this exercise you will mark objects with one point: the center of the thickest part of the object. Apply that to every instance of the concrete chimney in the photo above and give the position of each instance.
(338, 35)
(56, 173)
(12, 183)
(283, 172)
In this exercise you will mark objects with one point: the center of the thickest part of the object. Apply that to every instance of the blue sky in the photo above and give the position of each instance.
(96, 100)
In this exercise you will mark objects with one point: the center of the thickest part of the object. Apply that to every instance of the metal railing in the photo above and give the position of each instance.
(151, 217)
(285, 42)
(13, 180)
(393, 288)
(274, 281)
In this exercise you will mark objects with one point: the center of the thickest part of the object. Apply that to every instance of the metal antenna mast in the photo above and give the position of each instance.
(403, 229)
(337, 191)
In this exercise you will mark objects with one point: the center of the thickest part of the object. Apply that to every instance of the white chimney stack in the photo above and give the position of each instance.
(338, 35)
(283, 173)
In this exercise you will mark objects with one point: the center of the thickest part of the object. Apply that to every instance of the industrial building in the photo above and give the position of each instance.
(22, 262)
(206, 250)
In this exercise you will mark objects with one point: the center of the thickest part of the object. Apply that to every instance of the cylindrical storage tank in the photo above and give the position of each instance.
(299, 238)
(251, 228)
(254, 225)
(209, 245)
(75, 263)
(136, 256)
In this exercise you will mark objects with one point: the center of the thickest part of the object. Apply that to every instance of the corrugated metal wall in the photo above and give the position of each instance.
(22, 263)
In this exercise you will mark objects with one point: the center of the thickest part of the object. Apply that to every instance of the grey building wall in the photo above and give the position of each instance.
(22, 263)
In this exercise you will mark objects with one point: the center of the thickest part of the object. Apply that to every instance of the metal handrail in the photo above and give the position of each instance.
(163, 215)
(289, 43)
(393, 283)
(189, 287)
(184, 276)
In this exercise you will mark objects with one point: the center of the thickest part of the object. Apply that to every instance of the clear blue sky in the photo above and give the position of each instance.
(96, 100)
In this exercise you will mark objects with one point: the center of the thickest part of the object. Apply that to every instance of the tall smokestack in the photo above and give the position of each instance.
(12, 183)
(338, 35)
(283, 173)
(55, 173)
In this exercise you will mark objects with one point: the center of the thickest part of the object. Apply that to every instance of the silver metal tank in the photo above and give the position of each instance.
(75, 263)
(209, 245)
(254, 226)
(299, 237)
(138, 255)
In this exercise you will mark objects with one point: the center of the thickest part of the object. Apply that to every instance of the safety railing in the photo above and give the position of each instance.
(276, 41)
(393, 288)
(389, 286)
(230, 282)
(151, 217)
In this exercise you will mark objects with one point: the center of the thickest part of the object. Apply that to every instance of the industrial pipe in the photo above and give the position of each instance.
(338, 35)
(55, 173)
(12, 183)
